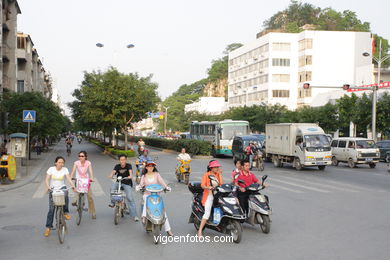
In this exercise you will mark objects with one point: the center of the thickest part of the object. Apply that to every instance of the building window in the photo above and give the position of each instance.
(280, 77)
(305, 44)
(281, 62)
(302, 93)
(305, 60)
(21, 42)
(281, 46)
(304, 76)
(281, 93)
(20, 86)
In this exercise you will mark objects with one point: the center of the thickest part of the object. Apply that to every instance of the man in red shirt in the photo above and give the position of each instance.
(249, 178)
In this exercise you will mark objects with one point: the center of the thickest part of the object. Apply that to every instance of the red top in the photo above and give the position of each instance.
(248, 150)
(249, 179)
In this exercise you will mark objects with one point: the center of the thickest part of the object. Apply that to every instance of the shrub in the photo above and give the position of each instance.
(192, 146)
(112, 150)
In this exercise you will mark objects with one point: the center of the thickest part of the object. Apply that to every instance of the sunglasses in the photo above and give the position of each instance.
(81, 156)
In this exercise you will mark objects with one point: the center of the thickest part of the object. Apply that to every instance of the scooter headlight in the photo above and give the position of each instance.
(227, 210)
(231, 201)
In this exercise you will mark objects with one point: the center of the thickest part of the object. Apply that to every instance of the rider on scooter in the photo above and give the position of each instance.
(248, 178)
(207, 200)
(150, 176)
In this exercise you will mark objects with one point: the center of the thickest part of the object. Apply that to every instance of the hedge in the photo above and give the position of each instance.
(112, 150)
(194, 147)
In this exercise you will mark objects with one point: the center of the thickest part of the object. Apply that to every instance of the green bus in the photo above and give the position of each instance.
(219, 133)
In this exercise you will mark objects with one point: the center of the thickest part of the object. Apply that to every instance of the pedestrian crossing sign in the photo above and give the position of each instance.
(29, 116)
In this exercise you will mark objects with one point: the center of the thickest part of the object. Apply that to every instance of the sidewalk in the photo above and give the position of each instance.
(34, 168)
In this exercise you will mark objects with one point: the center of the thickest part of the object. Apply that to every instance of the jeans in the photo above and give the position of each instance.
(250, 160)
(50, 214)
(129, 197)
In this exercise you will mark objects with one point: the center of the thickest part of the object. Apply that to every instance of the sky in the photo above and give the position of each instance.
(175, 40)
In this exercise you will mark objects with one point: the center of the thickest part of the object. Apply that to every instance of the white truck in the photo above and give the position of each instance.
(301, 144)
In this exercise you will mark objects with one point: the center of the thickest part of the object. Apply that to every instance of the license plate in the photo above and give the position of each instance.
(369, 159)
(320, 163)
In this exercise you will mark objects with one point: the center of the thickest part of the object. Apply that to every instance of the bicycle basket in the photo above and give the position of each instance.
(117, 197)
(58, 198)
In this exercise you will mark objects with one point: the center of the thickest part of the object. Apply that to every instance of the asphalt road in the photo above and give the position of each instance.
(339, 213)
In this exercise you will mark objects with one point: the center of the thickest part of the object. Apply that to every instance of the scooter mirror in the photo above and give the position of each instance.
(264, 177)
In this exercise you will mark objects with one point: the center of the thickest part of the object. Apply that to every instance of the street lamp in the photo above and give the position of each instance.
(165, 119)
(379, 61)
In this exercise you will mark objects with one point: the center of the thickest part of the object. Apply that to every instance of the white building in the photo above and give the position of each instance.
(208, 105)
(273, 68)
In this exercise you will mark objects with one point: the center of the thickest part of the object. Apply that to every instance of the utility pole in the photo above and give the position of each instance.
(165, 119)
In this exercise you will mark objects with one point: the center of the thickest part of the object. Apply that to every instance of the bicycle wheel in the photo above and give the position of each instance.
(116, 214)
(80, 205)
(60, 224)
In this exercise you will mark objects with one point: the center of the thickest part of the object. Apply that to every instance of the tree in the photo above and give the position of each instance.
(49, 120)
(112, 100)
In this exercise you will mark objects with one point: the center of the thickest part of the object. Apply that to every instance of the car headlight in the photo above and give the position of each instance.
(378, 154)
(359, 154)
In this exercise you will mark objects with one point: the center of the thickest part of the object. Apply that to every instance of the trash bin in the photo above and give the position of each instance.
(8, 167)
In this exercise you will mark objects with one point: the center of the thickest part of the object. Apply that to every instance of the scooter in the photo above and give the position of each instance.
(155, 210)
(227, 213)
(259, 209)
(183, 171)
(119, 198)
(258, 160)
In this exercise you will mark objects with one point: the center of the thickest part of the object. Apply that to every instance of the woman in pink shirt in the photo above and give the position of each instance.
(83, 169)
(150, 175)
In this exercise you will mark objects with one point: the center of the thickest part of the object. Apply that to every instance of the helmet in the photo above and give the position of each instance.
(214, 164)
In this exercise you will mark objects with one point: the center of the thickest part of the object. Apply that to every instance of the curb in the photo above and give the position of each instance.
(31, 178)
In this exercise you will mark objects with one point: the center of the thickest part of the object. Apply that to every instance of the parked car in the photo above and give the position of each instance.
(353, 150)
(240, 142)
(384, 148)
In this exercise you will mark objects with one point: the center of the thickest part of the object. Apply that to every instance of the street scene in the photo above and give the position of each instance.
(216, 130)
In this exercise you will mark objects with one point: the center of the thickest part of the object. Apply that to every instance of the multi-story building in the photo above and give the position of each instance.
(31, 76)
(273, 68)
(10, 11)
(207, 105)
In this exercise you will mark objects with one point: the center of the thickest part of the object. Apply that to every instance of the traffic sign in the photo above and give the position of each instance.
(29, 116)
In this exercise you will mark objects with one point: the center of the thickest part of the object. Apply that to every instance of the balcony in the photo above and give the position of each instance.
(21, 54)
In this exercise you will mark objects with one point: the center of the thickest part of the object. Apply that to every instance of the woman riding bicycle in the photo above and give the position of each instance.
(81, 168)
(56, 175)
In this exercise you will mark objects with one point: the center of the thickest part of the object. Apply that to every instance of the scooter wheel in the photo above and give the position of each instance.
(236, 231)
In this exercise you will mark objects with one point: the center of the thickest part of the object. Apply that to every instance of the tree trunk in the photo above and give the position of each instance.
(125, 132)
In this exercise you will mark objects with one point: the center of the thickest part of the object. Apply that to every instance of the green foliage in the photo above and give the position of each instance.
(110, 99)
(298, 14)
(49, 121)
(112, 150)
(192, 146)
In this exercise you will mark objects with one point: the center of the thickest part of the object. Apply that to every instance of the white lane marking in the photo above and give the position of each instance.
(321, 184)
(40, 192)
(95, 186)
(97, 189)
(302, 186)
(272, 185)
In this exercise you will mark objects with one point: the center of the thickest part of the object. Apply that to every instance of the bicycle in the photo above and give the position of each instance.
(119, 197)
(58, 198)
(82, 188)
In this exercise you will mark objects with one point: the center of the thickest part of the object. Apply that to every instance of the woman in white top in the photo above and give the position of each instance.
(56, 176)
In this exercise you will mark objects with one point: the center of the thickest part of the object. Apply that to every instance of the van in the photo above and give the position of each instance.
(240, 142)
(384, 148)
(353, 150)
